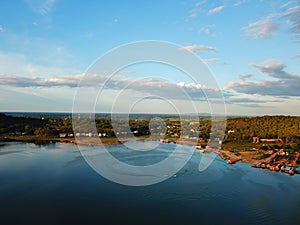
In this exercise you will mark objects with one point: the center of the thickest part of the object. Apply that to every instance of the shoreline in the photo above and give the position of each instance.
(242, 156)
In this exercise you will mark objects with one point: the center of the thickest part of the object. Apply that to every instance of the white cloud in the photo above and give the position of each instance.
(195, 48)
(243, 77)
(192, 15)
(251, 100)
(41, 7)
(263, 28)
(285, 84)
(208, 29)
(268, 26)
(273, 69)
(198, 4)
(286, 4)
(293, 16)
(216, 10)
(196, 9)
(150, 86)
(1, 29)
(239, 3)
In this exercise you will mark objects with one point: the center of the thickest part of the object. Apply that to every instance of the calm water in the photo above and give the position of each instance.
(54, 185)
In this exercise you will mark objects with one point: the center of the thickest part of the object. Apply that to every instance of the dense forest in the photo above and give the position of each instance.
(20, 125)
(286, 128)
(238, 130)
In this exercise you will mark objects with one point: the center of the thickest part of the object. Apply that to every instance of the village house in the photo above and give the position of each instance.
(255, 139)
(271, 140)
(63, 135)
(266, 140)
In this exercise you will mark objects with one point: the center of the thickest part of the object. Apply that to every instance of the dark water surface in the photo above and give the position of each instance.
(54, 185)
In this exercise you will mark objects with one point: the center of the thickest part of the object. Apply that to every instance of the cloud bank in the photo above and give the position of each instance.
(268, 26)
(151, 86)
(280, 84)
(263, 28)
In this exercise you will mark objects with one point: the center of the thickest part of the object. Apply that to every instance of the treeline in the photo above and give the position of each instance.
(20, 125)
(238, 130)
(244, 129)
(52, 127)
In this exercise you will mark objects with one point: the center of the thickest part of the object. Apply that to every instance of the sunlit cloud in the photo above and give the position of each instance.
(263, 28)
(198, 4)
(283, 84)
(216, 10)
(268, 26)
(208, 29)
(243, 77)
(293, 16)
(237, 3)
(286, 4)
(195, 48)
(151, 86)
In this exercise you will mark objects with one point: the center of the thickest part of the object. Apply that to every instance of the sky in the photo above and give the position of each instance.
(250, 47)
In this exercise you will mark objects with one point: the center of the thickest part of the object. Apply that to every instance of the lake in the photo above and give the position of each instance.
(53, 184)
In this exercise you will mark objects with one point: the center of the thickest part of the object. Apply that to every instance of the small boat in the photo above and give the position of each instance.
(292, 171)
(164, 140)
(277, 168)
(202, 151)
(256, 164)
(263, 165)
(287, 169)
(282, 169)
(231, 161)
(297, 170)
(273, 167)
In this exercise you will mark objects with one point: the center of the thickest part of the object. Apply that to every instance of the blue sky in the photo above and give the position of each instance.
(251, 47)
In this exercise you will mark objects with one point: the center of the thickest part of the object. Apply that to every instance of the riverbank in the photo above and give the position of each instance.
(251, 157)
(226, 154)
(71, 140)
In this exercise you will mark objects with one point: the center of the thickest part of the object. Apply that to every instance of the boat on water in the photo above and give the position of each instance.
(232, 161)
(292, 170)
(256, 164)
(297, 170)
(277, 168)
(263, 165)
(272, 167)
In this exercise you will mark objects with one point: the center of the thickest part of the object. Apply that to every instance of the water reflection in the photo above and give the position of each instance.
(76, 161)
(42, 143)
(60, 186)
